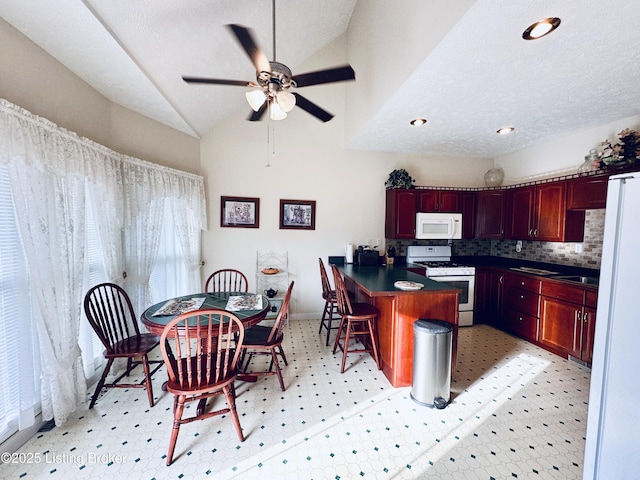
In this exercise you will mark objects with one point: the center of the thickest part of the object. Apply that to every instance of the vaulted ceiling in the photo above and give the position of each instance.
(477, 74)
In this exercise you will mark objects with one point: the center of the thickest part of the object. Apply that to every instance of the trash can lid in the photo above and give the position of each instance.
(432, 326)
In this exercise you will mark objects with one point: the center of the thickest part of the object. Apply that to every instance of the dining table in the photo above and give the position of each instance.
(241, 304)
(250, 308)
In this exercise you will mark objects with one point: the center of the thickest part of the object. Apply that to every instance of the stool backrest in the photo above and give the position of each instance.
(342, 296)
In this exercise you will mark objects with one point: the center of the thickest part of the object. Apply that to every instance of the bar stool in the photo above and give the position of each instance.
(358, 320)
(330, 303)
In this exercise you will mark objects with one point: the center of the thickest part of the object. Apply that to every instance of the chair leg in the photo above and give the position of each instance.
(374, 343)
(231, 402)
(329, 321)
(284, 357)
(346, 345)
(336, 344)
(274, 361)
(324, 314)
(101, 382)
(178, 408)
(147, 379)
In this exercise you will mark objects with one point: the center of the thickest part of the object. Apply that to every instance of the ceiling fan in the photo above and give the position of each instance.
(274, 80)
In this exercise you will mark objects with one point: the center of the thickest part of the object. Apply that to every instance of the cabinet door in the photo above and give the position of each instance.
(490, 214)
(428, 200)
(400, 216)
(551, 210)
(481, 296)
(561, 326)
(468, 207)
(439, 201)
(495, 284)
(520, 221)
(588, 333)
(587, 192)
(449, 201)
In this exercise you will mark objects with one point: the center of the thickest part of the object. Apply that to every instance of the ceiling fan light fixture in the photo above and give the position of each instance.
(541, 28)
(276, 113)
(286, 101)
(256, 99)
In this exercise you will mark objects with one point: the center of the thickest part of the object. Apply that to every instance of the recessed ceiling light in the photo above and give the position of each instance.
(505, 130)
(541, 28)
(416, 122)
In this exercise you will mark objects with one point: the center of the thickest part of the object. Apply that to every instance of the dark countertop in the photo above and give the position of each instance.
(380, 280)
(560, 271)
(509, 263)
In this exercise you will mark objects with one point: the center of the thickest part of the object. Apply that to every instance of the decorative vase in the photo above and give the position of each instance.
(494, 177)
(589, 163)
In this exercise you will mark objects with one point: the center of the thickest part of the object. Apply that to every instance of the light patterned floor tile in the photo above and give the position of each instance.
(517, 411)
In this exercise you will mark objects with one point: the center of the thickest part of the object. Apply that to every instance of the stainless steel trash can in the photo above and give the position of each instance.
(431, 381)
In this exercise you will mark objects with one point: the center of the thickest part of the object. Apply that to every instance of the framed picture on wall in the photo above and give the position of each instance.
(239, 212)
(298, 214)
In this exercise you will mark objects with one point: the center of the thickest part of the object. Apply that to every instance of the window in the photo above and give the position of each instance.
(19, 354)
(170, 273)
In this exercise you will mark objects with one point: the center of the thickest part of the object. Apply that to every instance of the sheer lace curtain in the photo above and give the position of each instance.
(50, 170)
(46, 168)
(144, 192)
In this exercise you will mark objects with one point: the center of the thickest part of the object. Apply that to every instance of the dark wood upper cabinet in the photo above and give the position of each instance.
(439, 201)
(587, 193)
(468, 208)
(539, 212)
(490, 214)
(400, 214)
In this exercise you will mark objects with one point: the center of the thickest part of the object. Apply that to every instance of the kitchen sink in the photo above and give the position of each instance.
(579, 279)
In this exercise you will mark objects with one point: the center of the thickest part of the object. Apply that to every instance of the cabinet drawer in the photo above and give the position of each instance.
(523, 282)
(523, 301)
(523, 325)
(564, 292)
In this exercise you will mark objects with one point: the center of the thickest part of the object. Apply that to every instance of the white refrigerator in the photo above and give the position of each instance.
(612, 449)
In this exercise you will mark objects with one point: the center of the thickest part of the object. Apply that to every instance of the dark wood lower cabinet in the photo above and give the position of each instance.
(567, 320)
(555, 315)
(561, 327)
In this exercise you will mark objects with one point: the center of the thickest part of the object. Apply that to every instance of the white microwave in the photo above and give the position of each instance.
(438, 226)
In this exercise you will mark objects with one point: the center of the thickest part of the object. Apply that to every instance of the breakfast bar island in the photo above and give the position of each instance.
(399, 309)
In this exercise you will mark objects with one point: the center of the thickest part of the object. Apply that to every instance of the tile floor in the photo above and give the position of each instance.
(516, 412)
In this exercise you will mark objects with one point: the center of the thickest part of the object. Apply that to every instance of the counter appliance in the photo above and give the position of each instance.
(438, 226)
(438, 265)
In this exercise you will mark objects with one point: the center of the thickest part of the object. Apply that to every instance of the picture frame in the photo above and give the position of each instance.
(298, 214)
(239, 212)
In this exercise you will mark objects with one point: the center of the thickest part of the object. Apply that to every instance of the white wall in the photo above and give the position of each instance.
(562, 156)
(310, 163)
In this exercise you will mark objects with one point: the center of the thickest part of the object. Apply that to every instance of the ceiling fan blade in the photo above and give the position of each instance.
(312, 108)
(330, 75)
(256, 116)
(257, 56)
(219, 81)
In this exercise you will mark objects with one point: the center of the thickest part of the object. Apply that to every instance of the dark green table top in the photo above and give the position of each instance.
(380, 280)
(156, 324)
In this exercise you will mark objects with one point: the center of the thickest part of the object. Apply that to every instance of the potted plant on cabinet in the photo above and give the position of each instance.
(399, 178)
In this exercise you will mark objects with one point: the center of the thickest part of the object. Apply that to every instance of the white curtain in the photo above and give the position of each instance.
(106, 194)
(46, 168)
(188, 217)
(51, 169)
(144, 191)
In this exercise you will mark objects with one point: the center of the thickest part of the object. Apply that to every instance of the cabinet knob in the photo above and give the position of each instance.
(521, 297)
(522, 283)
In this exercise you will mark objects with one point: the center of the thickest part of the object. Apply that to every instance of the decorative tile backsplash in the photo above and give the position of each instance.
(548, 252)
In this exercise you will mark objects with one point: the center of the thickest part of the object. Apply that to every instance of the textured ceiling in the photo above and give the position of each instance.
(480, 77)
